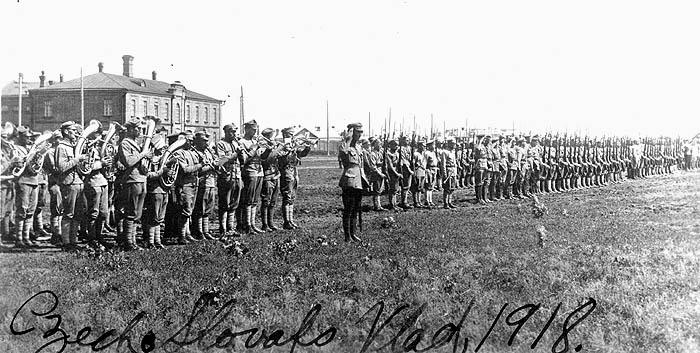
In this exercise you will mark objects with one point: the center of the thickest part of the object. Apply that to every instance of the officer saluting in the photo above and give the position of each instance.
(351, 182)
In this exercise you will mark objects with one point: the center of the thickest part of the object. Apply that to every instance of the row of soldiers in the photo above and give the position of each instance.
(498, 167)
(145, 178)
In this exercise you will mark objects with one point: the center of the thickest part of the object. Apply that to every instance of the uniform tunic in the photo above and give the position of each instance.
(206, 186)
(71, 182)
(133, 178)
(186, 182)
(26, 188)
(229, 182)
(288, 161)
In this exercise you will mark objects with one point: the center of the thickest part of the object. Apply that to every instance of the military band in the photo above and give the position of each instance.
(139, 174)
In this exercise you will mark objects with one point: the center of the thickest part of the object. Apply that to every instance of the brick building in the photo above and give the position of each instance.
(9, 102)
(110, 97)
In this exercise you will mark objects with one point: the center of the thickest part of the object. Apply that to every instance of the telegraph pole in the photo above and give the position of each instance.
(19, 116)
(242, 113)
(82, 100)
(328, 132)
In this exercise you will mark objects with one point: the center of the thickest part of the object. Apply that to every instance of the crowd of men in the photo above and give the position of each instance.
(99, 181)
(497, 167)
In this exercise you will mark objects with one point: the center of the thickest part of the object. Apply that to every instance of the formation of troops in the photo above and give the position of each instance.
(95, 181)
(497, 167)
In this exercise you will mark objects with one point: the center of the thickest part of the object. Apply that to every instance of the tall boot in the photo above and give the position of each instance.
(91, 237)
(182, 229)
(121, 233)
(484, 192)
(392, 201)
(27, 227)
(223, 222)
(241, 222)
(477, 193)
(39, 230)
(291, 217)
(285, 216)
(346, 225)
(65, 234)
(445, 203)
(270, 218)
(263, 219)
(197, 228)
(205, 229)
(156, 238)
(253, 216)
(56, 230)
(353, 226)
(188, 231)
(74, 229)
(128, 229)
(19, 233)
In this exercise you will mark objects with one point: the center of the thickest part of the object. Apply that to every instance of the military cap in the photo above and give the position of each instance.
(536, 137)
(68, 124)
(288, 130)
(429, 142)
(355, 126)
(392, 142)
(509, 138)
(251, 123)
(403, 138)
(188, 134)
(519, 139)
(230, 127)
(202, 135)
(268, 132)
(23, 131)
(132, 122)
(420, 143)
(450, 139)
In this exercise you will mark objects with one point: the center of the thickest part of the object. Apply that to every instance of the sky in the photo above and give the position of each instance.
(596, 67)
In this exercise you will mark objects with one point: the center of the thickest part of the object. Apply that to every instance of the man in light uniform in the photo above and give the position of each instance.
(229, 182)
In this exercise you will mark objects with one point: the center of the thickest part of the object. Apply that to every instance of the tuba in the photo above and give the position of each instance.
(167, 180)
(85, 167)
(36, 154)
(109, 150)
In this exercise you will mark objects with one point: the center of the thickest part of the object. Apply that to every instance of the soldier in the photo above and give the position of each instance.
(534, 157)
(156, 201)
(253, 153)
(7, 185)
(406, 171)
(431, 172)
(418, 184)
(288, 160)
(26, 188)
(448, 169)
(55, 200)
(495, 170)
(135, 161)
(229, 182)
(352, 180)
(481, 169)
(271, 181)
(393, 173)
(523, 179)
(38, 226)
(513, 164)
(375, 173)
(185, 193)
(96, 196)
(206, 187)
(71, 184)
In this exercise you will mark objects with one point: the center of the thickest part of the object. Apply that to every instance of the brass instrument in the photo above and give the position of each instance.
(36, 154)
(109, 149)
(168, 179)
(85, 167)
(151, 122)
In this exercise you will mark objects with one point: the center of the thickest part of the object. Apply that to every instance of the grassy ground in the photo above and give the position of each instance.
(633, 247)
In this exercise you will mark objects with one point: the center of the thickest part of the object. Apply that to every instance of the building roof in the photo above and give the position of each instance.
(105, 81)
(11, 88)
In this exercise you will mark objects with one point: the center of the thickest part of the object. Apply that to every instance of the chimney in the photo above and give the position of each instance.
(60, 78)
(128, 65)
(100, 66)
(50, 82)
(42, 79)
(153, 76)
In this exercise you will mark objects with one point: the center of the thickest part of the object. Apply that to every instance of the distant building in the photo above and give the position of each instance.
(110, 97)
(9, 102)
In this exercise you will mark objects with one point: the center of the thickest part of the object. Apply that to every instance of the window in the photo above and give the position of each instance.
(155, 110)
(206, 115)
(176, 113)
(167, 111)
(188, 113)
(196, 114)
(145, 108)
(213, 117)
(48, 111)
(107, 107)
(133, 108)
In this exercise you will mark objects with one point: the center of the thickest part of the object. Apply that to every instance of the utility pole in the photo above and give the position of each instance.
(82, 100)
(432, 134)
(328, 132)
(19, 116)
(369, 123)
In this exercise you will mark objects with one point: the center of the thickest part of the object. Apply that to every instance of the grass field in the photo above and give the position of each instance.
(632, 247)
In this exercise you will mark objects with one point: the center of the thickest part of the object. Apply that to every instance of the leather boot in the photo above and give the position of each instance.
(188, 231)
(291, 217)
(263, 219)
(26, 229)
(182, 228)
(19, 231)
(285, 216)
(197, 228)
(55, 230)
(205, 229)
(270, 218)
(484, 192)
(346, 225)
(240, 214)
(353, 226)
(39, 230)
(253, 216)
